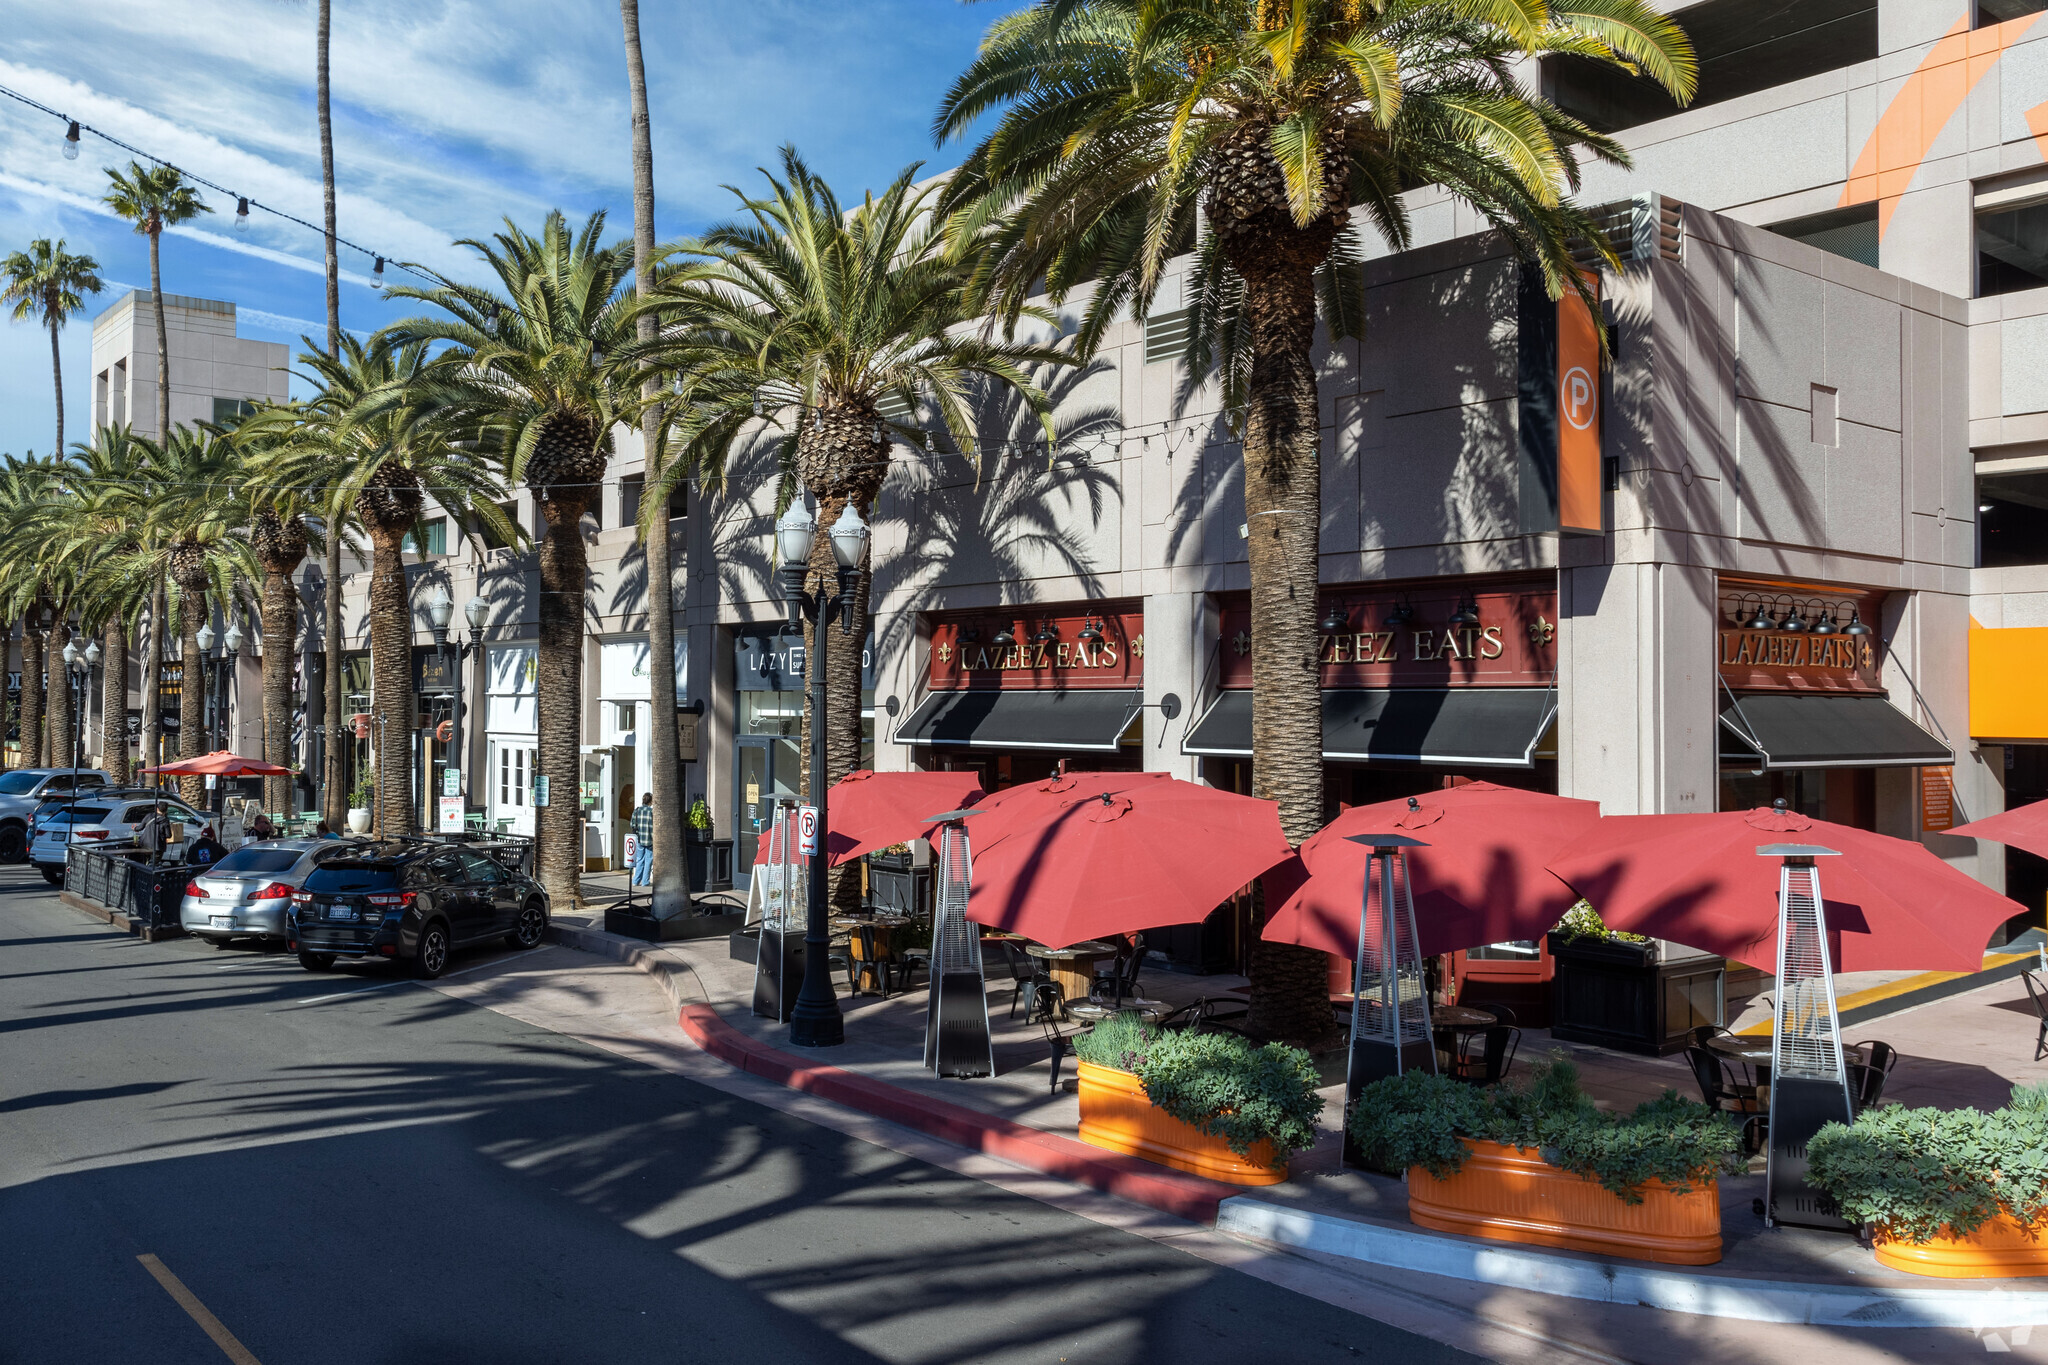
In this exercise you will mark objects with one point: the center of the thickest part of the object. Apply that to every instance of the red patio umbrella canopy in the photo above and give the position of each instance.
(871, 810)
(221, 763)
(1697, 879)
(1028, 805)
(1481, 878)
(2025, 827)
(1158, 851)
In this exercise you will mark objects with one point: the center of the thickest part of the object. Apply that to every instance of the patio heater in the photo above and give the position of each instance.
(957, 1040)
(1809, 1083)
(1389, 995)
(777, 896)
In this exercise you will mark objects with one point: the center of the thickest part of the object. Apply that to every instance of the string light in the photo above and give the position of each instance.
(71, 141)
(241, 213)
(757, 402)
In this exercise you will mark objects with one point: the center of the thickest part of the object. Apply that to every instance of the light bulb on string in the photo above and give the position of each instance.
(757, 402)
(71, 141)
(241, 213)
(378, 271)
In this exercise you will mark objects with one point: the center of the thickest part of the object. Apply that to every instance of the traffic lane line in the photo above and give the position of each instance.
(199, 1313)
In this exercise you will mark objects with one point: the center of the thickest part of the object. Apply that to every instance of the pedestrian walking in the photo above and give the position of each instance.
(153, 833)
(643, 835)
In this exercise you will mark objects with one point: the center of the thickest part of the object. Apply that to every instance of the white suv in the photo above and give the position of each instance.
(23, 789)
(111, 823)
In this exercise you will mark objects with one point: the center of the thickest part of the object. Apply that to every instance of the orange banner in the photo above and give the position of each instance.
(1579, 481)
(1937, 800)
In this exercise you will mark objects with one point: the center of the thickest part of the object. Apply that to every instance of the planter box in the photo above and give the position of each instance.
(2003, 1247)
(1116, 1116)
(710, 864)
(619, 921)
(1629, 997)
(908, 891)
(1511, 1194)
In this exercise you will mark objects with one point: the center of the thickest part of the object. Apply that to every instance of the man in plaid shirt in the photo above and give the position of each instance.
(643, 833)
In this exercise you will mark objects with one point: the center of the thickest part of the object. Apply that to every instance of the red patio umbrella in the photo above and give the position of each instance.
(1481, 878)
(220, 763)
(1029, 804)
(1696, 879)
(2024, 827)
(1159, 851)
(870, 810)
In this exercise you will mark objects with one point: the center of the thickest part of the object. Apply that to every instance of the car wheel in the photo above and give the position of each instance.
(430, 959)
(533, 925)
(316, 962)
(13, 844)
(53, 875)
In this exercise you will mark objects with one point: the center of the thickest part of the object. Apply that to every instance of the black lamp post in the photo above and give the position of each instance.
(205, 639)
(440, 611)
(815, 1020)
(79, 664)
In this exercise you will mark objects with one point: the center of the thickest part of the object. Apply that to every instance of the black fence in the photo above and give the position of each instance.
(150, 894)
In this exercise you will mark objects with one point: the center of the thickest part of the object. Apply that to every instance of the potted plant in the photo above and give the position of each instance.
(1955, 1193)
(894, 858)
(359, 801)
(1540, 1164)
(1626, 991)
(1208, 1103)
(698, 822)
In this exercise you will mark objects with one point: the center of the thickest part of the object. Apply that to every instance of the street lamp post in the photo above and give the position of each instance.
(440, 612)
(205, 638)
(78, 666)
(815, 1021)
(232, 644)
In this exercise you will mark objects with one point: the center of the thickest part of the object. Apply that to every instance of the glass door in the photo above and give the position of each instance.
(767, 768)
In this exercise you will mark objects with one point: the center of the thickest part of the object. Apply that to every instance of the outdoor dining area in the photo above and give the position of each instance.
(1033, 953)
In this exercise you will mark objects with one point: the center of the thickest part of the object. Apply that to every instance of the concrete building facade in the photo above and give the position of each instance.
(212, 369)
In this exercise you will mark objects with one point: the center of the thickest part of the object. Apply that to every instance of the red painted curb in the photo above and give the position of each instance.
(1141, 1182)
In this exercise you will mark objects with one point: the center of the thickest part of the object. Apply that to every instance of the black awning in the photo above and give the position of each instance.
(1023, 720)
(1818, 730)
(1489, 727)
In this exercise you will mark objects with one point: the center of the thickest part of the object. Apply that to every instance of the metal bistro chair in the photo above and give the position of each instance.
(1498, 1046)
(2038, 993)
(1030, 973)
(1058, 1043)
(1869, 1072)
(1120, 982)
(1717, 1089)
(868, 963)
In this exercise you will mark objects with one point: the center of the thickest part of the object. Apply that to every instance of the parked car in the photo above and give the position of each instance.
(247, 893)
(413, 901)
(108, 823)
(22, 789)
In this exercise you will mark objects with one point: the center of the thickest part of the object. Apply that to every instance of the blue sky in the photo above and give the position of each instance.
(449, 116)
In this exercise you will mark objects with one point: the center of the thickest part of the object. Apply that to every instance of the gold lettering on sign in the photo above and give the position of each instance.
(1425, 645)
(1490, 646)
(1449, 649)
(1385, 639)
(1065, 649)
(1106, 656)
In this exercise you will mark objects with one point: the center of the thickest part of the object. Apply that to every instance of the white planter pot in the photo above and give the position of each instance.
(359, 821)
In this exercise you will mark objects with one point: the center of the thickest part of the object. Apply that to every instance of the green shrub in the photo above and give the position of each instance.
(700, 815)
(1916, 1171)
(1583, 921)
(363, 795)
(1417, 1119)
(1217, 1083)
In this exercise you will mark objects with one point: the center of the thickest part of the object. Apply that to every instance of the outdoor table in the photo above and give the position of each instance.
(1095, 1011)
(1073, 968)
(1460, 1018)
(1756, 1052)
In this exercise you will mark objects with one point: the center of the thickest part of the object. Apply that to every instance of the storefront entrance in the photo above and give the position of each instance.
(768, 769)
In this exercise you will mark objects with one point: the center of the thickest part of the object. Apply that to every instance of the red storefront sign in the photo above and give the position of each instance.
(1038, 650)
(1433, 635)
(1755, 653)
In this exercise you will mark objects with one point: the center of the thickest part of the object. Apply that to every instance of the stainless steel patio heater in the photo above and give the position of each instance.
(957, 1039)
(1389, 996)
(1809, 1083)
(777, 900)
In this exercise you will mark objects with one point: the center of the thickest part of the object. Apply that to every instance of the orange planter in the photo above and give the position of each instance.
(2001, 1248)
(1511, 1194)
(1115, 1114)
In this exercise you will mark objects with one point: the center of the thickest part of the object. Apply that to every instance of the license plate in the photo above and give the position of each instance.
(341, 912)
(221, 921)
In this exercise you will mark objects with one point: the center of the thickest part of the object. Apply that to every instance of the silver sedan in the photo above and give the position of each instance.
(246, 893)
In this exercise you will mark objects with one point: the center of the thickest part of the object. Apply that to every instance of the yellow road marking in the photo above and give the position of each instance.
(187, 1300)
(1903, 986)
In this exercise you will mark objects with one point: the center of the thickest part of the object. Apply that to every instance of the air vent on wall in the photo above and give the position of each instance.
(1639, 230)
(1166, 337)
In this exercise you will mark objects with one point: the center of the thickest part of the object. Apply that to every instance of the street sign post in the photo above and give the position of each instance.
(807, 830)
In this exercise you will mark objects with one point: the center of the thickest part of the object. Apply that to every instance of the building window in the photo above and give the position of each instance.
(2012, 238)
(1991, 12)
(437, 538)
(512, 778)
(1850, 233)
(1743, 46)
(2012, 518)
(630, 489)
(228, 411)
(1166, 337)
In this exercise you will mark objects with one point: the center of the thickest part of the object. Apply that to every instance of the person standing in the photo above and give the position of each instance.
(643, 836)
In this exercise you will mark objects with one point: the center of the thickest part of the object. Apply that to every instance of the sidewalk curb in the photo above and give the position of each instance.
(1141, 1182)
(112, 918)
(1675, 1291)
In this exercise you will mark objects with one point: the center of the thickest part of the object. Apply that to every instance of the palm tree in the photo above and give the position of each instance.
(49, 283)
(816, 318)
(671, 878)
(535, 374)
(103, 528)
(280, 537)
(333, 798)
(33, 591)
(154, 198)
(1123, 120)
(366, 439)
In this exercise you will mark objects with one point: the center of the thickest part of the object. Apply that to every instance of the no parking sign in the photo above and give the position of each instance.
(807, 830)
(632, 849)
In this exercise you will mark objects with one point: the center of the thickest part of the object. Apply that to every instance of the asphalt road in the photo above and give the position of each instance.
(356, 1168)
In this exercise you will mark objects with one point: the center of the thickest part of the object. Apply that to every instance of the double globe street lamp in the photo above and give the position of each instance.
(216, 678)
(79, 663)
(441, 611)
(815, 1020)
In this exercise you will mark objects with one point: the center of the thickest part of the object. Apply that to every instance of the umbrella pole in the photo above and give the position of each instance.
(957, 1039)
(1389, 996)
(1809, 1083)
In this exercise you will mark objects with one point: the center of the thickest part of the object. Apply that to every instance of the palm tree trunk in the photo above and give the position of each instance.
(57, 377)
(113, 699)
(395, 712)
(671, 890)
(192, 692)
(333, 269)
(163, 344)
(334, 797)
(842, 682)
(6, 657)
(152, 679)
(563, 574)
(280, 631)
(1283, 505)
(32, 735)
(57, 694)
